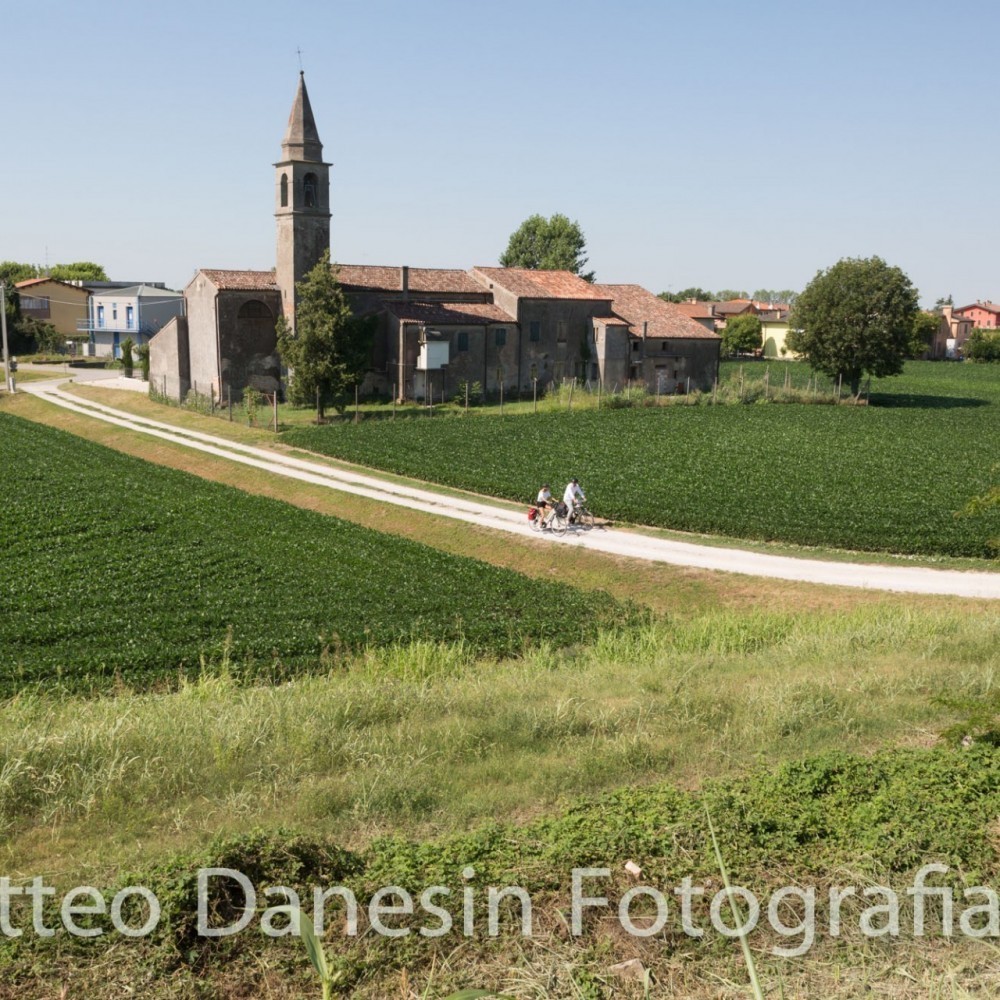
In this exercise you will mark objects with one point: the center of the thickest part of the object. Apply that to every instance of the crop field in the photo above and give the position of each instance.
(122, 568)
(888, 477)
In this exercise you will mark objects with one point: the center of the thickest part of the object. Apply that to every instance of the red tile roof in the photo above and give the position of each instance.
(696, 310)
(363, 277)
(985, 306)
(449, 313)
(526, 284)
(663, 319)
(242, 281)
(31, 282)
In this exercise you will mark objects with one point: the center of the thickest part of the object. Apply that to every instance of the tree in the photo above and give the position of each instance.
(541, 244)
(925, 326)
(742, 333)
(945, 300)
(11, 272)
(855, 318)
(728, 294)
(776, 296)
(982, 345)
(329, 350)
(81, 270)
(686, 294)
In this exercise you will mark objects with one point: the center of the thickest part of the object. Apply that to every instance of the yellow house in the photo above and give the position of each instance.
(55, 302)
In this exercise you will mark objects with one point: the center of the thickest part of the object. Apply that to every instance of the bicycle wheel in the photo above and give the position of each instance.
(536, 522)
(585, 519)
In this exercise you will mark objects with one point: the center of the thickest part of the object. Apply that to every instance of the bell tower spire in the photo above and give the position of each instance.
(302, 200)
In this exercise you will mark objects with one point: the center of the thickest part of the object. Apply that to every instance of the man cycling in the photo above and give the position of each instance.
(573, 497)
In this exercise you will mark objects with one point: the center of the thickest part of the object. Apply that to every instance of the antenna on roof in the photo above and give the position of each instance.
(298, 52)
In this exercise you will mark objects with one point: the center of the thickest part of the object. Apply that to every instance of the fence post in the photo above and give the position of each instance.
(600, 386)
(840, 380)
(767, 381)
(501, 397)
(466, 397)
(570, 404)
(275, 411)
(394, 402)
(229, 401)
(534, 395)
(357, 416)
(715, 389)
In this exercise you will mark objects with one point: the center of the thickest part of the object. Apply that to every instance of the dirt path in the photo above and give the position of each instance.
(900, 579)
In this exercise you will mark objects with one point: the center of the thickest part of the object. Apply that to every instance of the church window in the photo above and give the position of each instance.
(463, 340)
(284, 190)
(535, 330)
(309, 186)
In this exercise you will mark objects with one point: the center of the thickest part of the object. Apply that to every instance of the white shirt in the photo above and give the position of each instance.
(571, 493)
(544, 496)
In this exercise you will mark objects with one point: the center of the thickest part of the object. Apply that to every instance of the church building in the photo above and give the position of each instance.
(508, 329)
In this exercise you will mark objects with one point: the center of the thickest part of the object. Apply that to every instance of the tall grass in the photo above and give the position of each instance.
(428, 738)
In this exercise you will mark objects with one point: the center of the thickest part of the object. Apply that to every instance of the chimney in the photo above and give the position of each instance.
(404, 281)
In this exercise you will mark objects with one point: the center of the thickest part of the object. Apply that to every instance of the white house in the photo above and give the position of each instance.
(137, 312)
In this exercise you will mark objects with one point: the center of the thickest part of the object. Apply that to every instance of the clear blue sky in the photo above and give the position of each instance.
(720, 144)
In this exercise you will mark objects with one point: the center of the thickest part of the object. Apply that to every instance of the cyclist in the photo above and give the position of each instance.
(545, 504)
(573, 496)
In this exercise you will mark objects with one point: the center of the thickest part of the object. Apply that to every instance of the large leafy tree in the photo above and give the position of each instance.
(554, 244)
(81, 270)
(855, 319)
(329, 350)
(742, 334)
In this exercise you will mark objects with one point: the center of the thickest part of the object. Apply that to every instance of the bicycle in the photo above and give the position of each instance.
(555, 522)
(581, 517)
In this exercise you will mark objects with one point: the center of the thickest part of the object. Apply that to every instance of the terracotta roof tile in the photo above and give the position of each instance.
(364, 277)
(662, 319)
(449, 313)
(527, 284)
(695, 310)
(242, 281)
(32, 282)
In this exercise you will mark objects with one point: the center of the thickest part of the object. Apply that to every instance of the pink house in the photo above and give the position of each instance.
(984, 315)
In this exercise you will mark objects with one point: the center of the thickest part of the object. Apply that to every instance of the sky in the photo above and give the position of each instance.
(712, 144)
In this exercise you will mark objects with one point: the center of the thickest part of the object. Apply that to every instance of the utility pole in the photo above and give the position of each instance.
(8, 384)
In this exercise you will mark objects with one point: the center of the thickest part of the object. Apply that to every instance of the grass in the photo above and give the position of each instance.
(431, 738)
(130, 570)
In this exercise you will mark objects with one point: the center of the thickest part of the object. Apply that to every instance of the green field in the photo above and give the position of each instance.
(887, 477)
(126, 569)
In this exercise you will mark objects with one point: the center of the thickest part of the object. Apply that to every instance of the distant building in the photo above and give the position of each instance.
(506, 328)
(984, 315)
(137, 311)
(60, 303)
(952, 333)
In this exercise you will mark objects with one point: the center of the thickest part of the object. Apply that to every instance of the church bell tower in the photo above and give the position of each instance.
(302, 200)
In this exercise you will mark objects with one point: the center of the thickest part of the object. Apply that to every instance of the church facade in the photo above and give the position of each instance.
(507, 329)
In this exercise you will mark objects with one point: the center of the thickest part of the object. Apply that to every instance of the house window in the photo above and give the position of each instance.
(114, 310)
(129, 318)
(635, 346)
(561, 331)
(37, 306)
(535, 330)
(284, 190)
(500, 336)
(463, 341)
(100, 315)
(664, 346)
